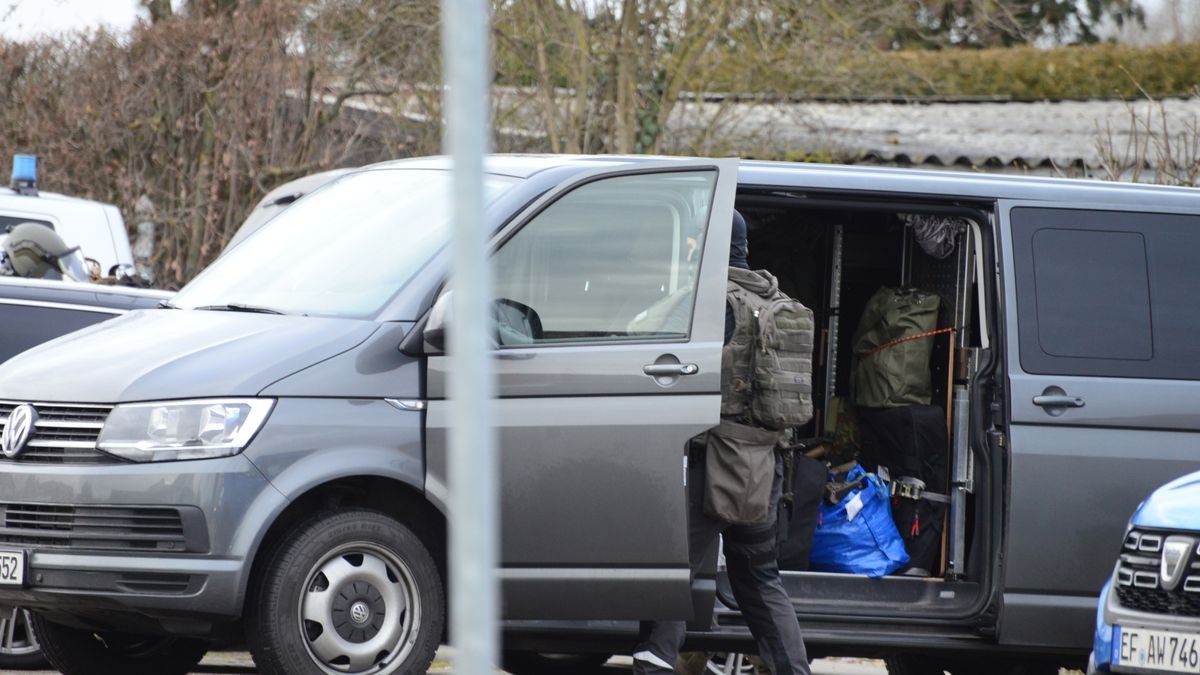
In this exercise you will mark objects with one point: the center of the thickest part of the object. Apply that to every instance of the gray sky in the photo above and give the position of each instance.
(22, 19)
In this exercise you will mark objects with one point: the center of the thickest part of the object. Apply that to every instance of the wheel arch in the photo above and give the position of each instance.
(397, 498)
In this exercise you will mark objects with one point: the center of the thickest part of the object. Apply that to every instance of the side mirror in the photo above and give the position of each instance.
(434, 334)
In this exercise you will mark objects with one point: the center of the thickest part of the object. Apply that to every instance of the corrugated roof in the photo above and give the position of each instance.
(979, 134)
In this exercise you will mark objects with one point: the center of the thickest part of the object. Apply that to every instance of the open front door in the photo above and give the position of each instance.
(612, 290)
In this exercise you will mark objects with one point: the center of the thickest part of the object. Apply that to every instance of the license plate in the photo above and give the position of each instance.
(12, 568)
(1168, 651)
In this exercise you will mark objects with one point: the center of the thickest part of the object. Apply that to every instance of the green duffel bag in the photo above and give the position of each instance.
(892, 345)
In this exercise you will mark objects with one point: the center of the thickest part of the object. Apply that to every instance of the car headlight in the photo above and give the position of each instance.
(175, 430)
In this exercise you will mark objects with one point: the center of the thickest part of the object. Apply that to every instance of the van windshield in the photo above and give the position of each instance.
(342, 251)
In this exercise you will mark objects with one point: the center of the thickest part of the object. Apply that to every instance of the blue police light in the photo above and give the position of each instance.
(24, 174)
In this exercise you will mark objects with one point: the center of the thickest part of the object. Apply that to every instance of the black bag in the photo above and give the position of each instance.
(798, 519)
(910, 441)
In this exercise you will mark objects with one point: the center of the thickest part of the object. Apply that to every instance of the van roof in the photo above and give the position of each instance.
(58, 284)
(885, 180)
(48, 196)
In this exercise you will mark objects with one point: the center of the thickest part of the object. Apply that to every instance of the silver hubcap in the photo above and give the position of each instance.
(16, 634)
(360, 610)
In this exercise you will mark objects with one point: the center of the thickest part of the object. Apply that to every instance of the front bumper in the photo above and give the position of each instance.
(1110, 614)
(1101, 657)
(137, 575)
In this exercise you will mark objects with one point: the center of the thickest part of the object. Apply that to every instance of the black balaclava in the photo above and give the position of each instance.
(739, 247)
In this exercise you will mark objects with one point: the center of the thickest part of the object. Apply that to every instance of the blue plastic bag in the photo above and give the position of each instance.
(858, 536)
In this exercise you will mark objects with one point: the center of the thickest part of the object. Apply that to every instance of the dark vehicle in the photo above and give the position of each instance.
(1149, 614)
(268, 459)
(33, 312)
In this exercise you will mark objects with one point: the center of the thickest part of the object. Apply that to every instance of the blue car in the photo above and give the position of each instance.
(1149, 614)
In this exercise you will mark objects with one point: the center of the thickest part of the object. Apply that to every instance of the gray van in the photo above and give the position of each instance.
(267, 460)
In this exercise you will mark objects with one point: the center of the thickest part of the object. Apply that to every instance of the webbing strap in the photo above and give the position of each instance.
(907, 338)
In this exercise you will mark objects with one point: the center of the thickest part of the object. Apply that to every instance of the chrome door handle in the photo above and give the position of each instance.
(1058, 401)
(670, 369)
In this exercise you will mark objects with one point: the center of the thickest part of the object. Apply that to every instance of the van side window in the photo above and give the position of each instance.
(27, 326)
(8, 222)
(616, 259)
(1107, 293)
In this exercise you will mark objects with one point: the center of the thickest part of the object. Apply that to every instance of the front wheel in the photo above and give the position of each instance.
(19, 648)
(352, 592)
(74, 651)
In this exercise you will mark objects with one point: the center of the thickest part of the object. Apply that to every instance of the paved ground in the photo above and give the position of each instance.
(239, 663)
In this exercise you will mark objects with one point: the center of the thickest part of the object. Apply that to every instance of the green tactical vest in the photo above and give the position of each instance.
(766, 369)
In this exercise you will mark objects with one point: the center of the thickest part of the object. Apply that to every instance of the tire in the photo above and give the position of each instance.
(74, 651)
(19, 648)
(351, 592)
(543, 663)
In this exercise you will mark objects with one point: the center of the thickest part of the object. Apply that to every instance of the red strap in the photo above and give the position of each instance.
(907, 338)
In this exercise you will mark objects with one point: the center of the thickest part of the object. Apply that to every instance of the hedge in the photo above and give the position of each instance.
(1023, 73)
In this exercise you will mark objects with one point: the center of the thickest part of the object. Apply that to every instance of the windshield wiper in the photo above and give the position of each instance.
(239, 307)
(166, 304)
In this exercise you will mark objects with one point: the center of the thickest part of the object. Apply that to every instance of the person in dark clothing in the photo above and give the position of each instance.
(739, 250)
(750, 557)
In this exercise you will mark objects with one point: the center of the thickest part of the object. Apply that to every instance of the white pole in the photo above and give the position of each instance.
(471, 470)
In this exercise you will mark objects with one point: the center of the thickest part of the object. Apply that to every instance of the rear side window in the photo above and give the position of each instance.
(1107, 293)
(26, 326)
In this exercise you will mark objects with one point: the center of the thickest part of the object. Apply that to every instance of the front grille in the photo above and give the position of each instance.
(98, 528)
(1139, 583)
(65, 433)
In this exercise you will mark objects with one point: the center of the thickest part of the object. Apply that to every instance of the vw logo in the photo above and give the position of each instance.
(18, 430)
(359, 612)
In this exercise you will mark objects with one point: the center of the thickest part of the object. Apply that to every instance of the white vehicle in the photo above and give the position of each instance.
(96, 228)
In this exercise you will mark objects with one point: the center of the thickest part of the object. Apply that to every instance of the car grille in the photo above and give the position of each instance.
(106, 528)
(1139, 584)
(65, 433)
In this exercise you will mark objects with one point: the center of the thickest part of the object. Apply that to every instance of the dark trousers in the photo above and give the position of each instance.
(750, 560)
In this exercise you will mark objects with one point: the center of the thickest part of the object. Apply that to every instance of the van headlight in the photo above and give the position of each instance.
(175, 430)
